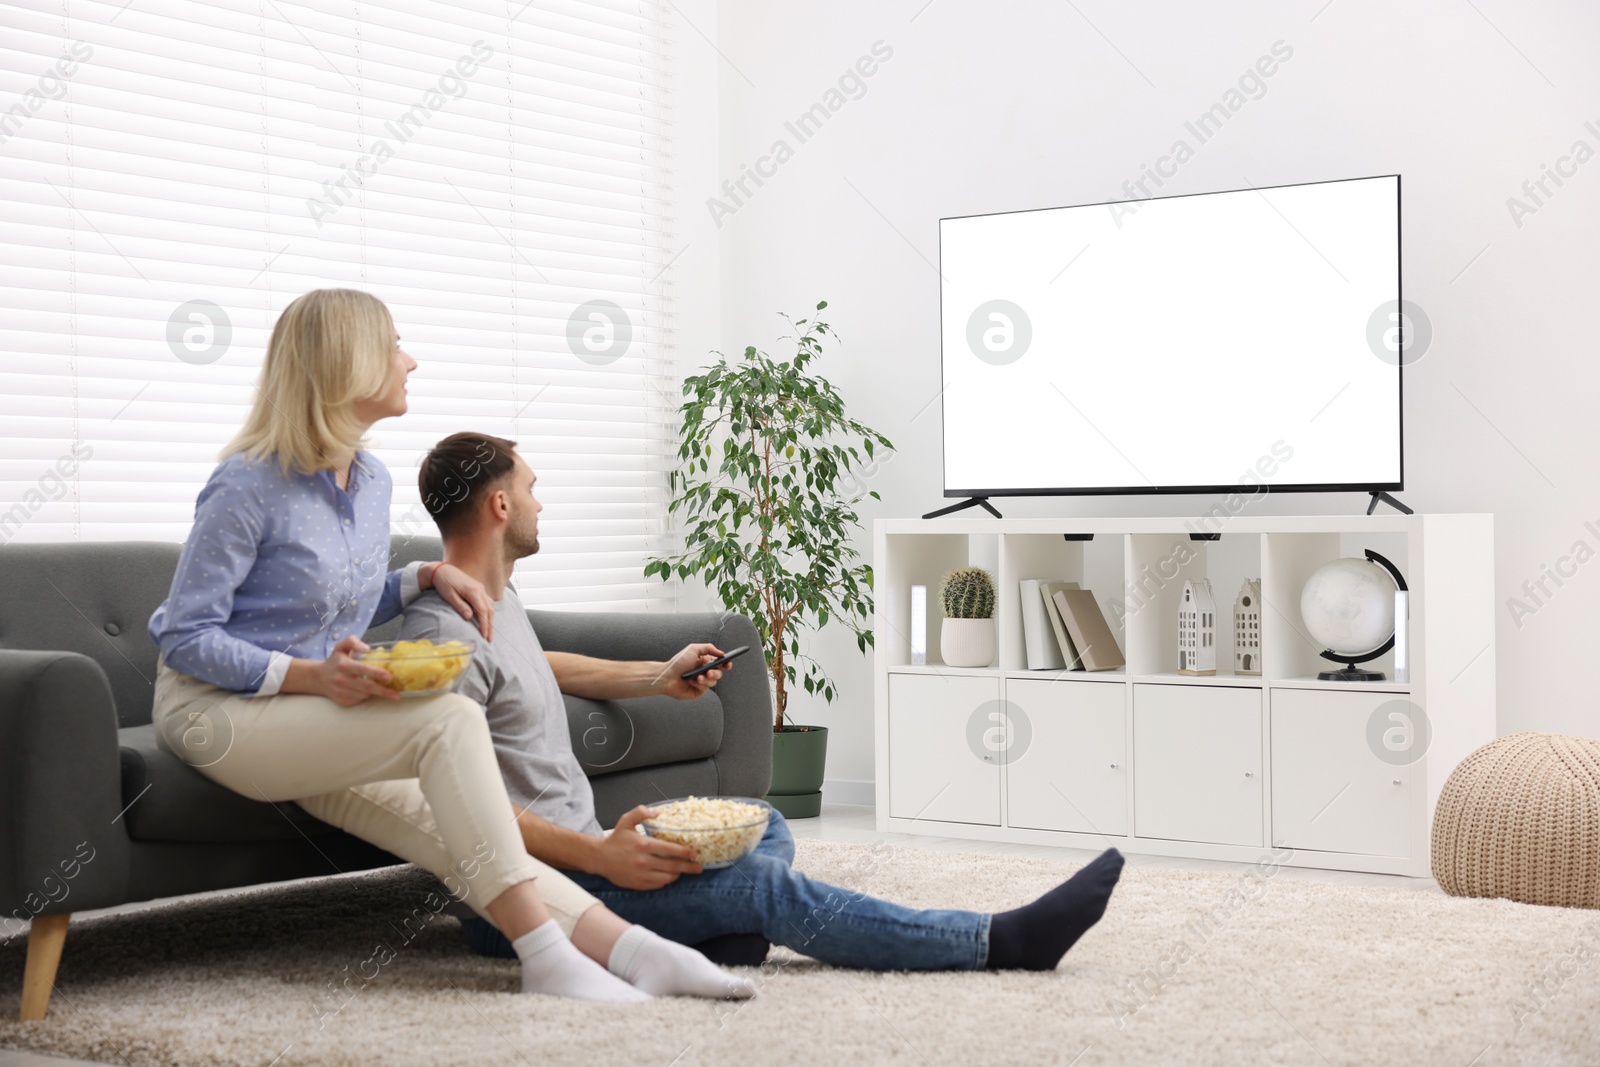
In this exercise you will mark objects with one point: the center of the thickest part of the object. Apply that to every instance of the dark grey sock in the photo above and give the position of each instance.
(734, 950)
(1035, 936)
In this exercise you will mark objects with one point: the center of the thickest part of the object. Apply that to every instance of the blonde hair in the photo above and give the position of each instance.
(329, 348)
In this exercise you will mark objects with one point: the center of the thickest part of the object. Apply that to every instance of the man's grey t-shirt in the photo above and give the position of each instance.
(511, 677)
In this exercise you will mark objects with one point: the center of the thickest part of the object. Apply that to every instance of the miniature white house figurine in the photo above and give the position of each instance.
(1247, 628)
(1197, 629)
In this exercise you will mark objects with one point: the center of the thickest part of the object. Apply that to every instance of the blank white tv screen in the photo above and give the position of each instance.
(1179, 344)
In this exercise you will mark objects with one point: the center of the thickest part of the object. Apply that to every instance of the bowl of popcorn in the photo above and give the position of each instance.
(721, 830)
(419, 668)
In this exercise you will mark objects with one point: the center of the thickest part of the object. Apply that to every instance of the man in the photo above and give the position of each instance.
(480, 493)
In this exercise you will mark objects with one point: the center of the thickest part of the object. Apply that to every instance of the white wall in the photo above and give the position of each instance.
(996, 106)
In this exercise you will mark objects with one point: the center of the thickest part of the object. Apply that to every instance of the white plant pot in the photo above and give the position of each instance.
(967, 642)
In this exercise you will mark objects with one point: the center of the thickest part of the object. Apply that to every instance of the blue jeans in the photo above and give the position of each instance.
(764, 894)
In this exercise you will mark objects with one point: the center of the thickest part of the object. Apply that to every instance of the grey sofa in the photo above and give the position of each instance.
(94, 813)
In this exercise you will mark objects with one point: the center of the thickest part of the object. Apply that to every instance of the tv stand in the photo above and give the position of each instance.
(970, 502)
(1212, 767)
(1378, 494)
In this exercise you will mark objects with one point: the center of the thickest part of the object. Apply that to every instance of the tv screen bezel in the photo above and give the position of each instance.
(1185, 490)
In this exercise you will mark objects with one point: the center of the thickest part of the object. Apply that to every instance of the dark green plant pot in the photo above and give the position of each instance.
(799, 754)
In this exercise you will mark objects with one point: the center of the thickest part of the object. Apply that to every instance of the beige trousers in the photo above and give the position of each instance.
(416, 777)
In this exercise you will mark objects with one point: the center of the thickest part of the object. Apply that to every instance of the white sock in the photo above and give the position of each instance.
(667, 969)
(552, 964)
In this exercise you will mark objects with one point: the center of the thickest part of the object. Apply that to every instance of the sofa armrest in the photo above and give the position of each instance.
(744, 762)
(63, 847)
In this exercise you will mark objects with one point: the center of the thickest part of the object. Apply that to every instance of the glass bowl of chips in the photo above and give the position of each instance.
(419, 668)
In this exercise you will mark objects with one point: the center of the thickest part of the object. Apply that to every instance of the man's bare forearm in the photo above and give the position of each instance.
(606, 679)
(561, 848)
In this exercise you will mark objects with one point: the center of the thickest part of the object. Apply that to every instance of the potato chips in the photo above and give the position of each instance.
(420, 666)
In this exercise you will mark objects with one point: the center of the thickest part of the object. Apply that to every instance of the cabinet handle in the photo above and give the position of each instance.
(1113, 766)
(1249, 774)
(1396, 781)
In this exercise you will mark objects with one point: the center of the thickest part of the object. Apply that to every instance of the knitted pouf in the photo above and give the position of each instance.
(1520, 818)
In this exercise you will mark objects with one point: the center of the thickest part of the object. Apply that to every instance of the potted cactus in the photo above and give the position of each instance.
(966, 638)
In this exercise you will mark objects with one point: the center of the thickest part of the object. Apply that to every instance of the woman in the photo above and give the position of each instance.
(260, 688)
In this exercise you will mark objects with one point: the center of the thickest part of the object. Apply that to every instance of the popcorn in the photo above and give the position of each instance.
(720, 830)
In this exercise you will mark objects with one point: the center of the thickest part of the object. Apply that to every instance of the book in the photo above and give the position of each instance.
(1087, 627)
(1038, 640)
(1047, 591)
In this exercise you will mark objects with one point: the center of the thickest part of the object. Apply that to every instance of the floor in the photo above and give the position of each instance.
(853, 824)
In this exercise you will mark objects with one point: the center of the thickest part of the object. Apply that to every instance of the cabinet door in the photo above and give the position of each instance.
(1073, 773)
(936, 771)
(1331, 790)
(1197, 763)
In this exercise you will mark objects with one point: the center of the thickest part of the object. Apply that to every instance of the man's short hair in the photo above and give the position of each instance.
(456, 472)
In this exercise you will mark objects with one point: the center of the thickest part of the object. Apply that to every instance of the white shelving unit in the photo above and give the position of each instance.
(1153, 761)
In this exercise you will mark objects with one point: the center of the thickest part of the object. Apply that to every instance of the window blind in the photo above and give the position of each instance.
(176, 172)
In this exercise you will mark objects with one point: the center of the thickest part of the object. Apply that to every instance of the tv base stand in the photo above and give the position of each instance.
(1378, 494)
(970, 502)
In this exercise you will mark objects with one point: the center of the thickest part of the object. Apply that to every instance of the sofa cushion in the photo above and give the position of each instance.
(619, 735)
(615, 794)
(93, 598)
(168, 800)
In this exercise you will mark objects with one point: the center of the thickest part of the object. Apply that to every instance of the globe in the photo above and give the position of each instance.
(1348, 605)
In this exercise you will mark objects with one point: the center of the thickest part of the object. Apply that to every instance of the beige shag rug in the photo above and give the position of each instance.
(1186, 968)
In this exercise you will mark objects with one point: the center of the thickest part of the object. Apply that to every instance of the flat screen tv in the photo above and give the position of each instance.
(1183, 344)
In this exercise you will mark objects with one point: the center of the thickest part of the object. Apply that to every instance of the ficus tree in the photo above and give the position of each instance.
(769, 459)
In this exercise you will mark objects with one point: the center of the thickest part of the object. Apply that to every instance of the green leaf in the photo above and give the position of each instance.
(749, 528)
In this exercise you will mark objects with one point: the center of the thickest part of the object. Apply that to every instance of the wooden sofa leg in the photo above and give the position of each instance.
(46, 938)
